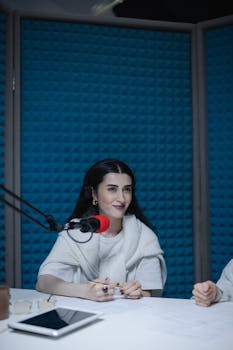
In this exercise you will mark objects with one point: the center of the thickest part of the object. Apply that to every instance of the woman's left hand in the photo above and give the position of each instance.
(131, 290)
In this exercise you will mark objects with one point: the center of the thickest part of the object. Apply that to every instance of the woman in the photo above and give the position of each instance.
(126, 257)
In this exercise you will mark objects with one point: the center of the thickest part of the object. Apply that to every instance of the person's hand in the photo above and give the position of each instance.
(131, 290)
(100, 290)
(205, 293)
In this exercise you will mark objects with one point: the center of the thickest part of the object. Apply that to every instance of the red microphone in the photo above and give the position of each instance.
(93, 224)
(103, 222)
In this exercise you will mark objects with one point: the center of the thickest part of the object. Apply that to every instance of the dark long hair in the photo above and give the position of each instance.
(94, 176)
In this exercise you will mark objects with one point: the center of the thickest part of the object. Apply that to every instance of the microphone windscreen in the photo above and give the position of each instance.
(104, 223)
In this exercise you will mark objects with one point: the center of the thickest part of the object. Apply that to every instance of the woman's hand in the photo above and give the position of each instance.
(205, 293)
(132, 290)
(100, 290)
(97, 290)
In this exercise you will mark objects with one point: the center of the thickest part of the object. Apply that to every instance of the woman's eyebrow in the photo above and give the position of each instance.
(112, 185)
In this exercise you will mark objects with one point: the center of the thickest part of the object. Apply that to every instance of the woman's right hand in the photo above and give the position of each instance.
(100, 290)
(97, 290)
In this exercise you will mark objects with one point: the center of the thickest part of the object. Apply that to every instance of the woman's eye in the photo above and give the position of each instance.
(128, 189)
(112, 189)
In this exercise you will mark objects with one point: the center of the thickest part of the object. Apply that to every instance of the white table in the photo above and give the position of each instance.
(148, 323)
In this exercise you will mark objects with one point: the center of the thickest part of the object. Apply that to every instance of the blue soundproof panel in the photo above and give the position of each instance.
(219, 46)
(2, 113)
(95, 91)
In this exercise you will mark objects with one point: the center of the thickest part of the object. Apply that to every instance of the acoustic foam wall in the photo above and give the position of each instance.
(220, 142)
(94, 91)
(2, 111)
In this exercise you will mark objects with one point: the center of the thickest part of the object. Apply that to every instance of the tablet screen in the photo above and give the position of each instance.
(58, 318)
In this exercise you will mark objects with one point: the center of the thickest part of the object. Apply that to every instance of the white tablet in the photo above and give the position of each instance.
(55, 322)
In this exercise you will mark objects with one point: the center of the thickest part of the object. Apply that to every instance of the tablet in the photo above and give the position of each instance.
(55, 322)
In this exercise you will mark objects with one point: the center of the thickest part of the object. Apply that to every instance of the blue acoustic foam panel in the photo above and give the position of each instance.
(95, 91)
(220, 129)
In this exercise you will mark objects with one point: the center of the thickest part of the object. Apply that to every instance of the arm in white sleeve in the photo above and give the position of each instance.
(225, 283)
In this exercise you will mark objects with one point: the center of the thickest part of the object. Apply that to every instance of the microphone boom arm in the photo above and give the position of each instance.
(49, 218)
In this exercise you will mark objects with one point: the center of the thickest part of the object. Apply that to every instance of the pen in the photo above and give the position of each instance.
(118, 285)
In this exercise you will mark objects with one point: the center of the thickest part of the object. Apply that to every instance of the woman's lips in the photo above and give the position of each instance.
(119, 207)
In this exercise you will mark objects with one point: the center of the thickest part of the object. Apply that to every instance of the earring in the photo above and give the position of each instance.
(95, 202)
